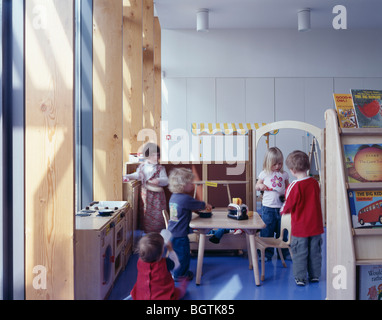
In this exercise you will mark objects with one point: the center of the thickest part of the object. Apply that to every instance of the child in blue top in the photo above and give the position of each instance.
(181, 206)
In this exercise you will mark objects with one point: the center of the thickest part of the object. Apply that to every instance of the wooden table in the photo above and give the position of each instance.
(219, 220)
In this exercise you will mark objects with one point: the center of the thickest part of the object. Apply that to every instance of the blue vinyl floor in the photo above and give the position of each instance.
(227, 277)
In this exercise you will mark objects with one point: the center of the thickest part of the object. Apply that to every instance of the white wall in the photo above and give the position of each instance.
(264, 76)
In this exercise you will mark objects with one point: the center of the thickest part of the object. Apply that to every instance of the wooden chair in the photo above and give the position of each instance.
(193, 237)
(267, 242)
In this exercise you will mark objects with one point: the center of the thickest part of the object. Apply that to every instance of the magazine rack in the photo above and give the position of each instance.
(347, 247)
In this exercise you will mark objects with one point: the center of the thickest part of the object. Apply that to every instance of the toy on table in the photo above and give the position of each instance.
(237, 210)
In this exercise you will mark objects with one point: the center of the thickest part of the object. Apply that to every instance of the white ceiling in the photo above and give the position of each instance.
(252, 14)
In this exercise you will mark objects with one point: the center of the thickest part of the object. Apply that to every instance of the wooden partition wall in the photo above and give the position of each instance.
(132, 76)
(107, 99)
(49, 149)
(126, 99)
(141, 76)
(126, 87)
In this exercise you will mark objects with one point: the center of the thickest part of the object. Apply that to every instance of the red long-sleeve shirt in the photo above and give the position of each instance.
(303, 202)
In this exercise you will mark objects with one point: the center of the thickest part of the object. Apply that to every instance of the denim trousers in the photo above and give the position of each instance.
(181, 246)
(272, 218)
(306, 256)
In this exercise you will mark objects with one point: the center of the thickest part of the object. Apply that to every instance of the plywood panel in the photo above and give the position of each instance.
(49, 145)
(132, 76)
(157, 78)
(107, 99)
(148, 64)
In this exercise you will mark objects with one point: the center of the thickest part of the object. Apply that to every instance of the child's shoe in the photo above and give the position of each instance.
(300, 282)
(214, 239)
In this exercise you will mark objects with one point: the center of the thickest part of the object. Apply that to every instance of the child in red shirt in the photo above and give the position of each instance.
(154, 280)
(303, 202)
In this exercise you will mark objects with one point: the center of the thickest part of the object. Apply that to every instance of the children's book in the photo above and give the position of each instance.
(366, 208)
(363, 162)
(370, 282)
(367, 106)
(345, 110)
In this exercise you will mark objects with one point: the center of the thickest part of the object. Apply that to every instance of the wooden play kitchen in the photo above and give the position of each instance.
(103, 245)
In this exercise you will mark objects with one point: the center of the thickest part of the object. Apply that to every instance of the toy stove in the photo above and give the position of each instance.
(100, 239)
(102, 209)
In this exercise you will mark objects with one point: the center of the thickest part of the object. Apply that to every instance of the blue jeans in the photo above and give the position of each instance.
(181, 246)
(272, 218)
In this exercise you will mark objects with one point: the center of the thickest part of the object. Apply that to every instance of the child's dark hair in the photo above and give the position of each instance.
(150, 247)
(150, 148)
(298, 161)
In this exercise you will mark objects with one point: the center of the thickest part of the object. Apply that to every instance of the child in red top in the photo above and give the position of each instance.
(154, 280)
(303, 202)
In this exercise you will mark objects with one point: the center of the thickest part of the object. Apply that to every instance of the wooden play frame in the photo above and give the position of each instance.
(232, 242)
(289, 124)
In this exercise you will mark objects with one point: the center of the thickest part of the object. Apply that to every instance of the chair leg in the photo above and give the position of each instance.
(281, 257)
(262, 250)
(249, 252)
(290, 252)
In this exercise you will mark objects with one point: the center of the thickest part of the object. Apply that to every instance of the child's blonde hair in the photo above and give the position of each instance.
(179, 178)
(298, 161)
(272, 157)
(150, 247)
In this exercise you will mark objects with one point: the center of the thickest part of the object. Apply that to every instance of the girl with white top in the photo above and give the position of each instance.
(273, 181)
(153, 177)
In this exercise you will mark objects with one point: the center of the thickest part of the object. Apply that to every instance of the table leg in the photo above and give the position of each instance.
(202, 241)
(252, 244)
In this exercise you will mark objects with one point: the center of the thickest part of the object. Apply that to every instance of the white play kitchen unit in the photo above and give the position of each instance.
(103, 245)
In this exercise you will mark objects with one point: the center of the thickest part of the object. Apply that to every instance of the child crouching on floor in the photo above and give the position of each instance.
(154, 280)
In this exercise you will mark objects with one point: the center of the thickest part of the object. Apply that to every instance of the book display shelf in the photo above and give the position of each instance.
(353, 244)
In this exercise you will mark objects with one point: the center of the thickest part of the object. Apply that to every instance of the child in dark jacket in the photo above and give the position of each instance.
(181, 206)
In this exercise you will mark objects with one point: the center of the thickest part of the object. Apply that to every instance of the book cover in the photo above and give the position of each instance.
(367, 106)
(363, 162)
(345, 110)
(366, 208)
(370, 282)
